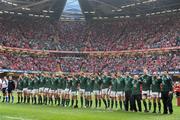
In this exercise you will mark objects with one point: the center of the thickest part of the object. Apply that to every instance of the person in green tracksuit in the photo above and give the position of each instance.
(113, 90)
(120, 89)
(97, 89)
(136, 94)
(146, 81)
(128, 91)
(82, 78)
(74, 91)
(25, 87)
(167, 93)
(156, 91)
(19, 89)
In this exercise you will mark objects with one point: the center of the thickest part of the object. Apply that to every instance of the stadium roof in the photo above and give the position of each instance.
(88, 9)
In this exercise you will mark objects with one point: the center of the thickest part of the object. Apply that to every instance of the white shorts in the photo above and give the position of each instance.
(156, 94)
(113, 94)
(87, 93)
(105, 91)
(46, 90)
(59, 90)
(51, 91)
(74, 93)
(120, 93)
(146, 93)
(97, 92)
(19, 91)
(25, 89)
(41, 89)
(29, 91)
(34, 91)
(81, 91)
(67, 91)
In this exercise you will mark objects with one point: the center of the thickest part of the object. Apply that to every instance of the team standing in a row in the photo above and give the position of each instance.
(115, 90)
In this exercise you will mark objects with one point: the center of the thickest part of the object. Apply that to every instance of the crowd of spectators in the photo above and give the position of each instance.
(133, 63)
(127, 34)
(139, 33)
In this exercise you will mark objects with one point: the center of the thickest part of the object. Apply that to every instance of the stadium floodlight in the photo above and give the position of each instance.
(179, 9)
(36, 15)
(1, 12)
(105, 17)
(127, 16)
(14, 4)
(42, 16)
(11, 12)
(51, 11)
(6, 12)
(27, 9)
(174, 10)
(116, 17)
(138, 3)
(152, 13)
(10, 3)
(158, 13)
(47, 16)
(100, 17)
(121, 16)
(86, 12)
(163, 12)
(92, 12)
(147, 14)
(119, 10)
(138, 15)
(31, 15)
(113, 10)
(168, 11)
(45, 11)
(19, 13)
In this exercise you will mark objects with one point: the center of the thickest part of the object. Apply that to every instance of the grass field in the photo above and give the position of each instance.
(42, 112)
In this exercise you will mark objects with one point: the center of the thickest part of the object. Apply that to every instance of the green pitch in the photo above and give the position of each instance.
(42, 112)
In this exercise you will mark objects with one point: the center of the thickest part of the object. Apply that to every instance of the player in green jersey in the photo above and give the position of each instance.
(106, 89)
(88, 91)
(113, 90)
(35, 88)
(97, 89)
(146, 80)
(67, 90)
(136, 94)
(30, 89)
(63, 87)
(120, 89)
(128, 91)
(156, 91)
(25, 86)
(74, 91)
(51, 89)
(56, 93)
(82, 79)
(47, 83)
(19, 89)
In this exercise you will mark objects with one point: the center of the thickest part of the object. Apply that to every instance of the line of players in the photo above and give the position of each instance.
(115, 90)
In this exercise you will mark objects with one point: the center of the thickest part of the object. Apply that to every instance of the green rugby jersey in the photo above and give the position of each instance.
(20, 84)
(31, 84)
(74, 83)
(25, 82)
(114, 84)
(83, 81)
(106, 82)
(120, 84)
(146, 82)
(156, 84)
(128, 83)
(97, 83)
(89, 85)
